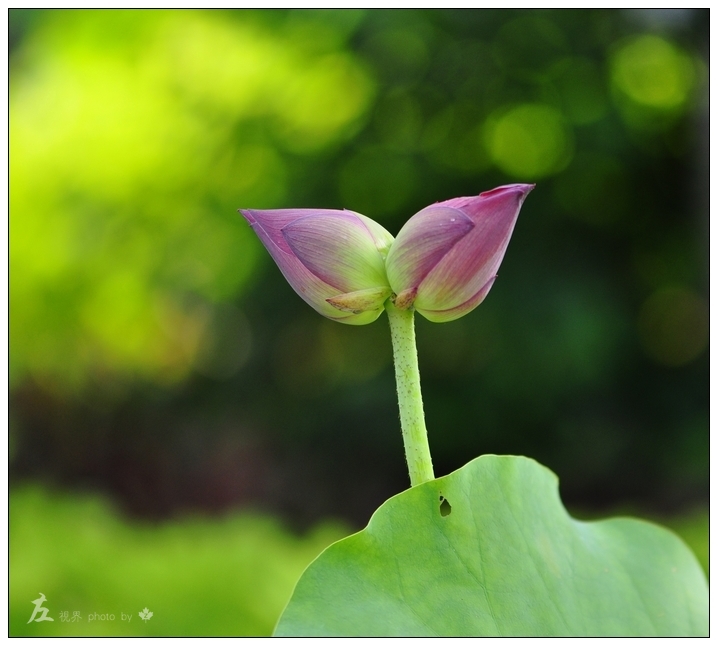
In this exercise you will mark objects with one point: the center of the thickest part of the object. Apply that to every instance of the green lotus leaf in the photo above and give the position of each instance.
(490, 550)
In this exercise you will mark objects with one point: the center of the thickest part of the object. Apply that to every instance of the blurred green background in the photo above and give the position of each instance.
(186, 434)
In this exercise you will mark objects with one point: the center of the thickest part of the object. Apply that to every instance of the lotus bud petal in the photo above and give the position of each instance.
(335, 260)
(446, 257)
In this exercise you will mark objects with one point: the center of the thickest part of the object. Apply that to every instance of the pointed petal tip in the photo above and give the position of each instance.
(523, 189)
(247, 214)
(519, 191)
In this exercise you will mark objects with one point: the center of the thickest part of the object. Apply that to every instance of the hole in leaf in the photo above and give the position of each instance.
(444, 507)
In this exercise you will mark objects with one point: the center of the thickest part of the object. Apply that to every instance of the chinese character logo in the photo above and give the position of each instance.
(145, 615)
(65, 616)
(40, 610)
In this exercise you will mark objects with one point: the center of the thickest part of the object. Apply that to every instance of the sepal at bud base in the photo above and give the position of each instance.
(357, 302)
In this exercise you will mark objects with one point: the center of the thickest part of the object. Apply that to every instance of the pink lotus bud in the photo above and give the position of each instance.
(333, 259)
(444, 260)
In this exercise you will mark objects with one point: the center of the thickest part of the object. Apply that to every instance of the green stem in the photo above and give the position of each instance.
(411, 408)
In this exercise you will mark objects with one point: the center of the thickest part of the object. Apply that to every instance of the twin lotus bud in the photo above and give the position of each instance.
(442, 263)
